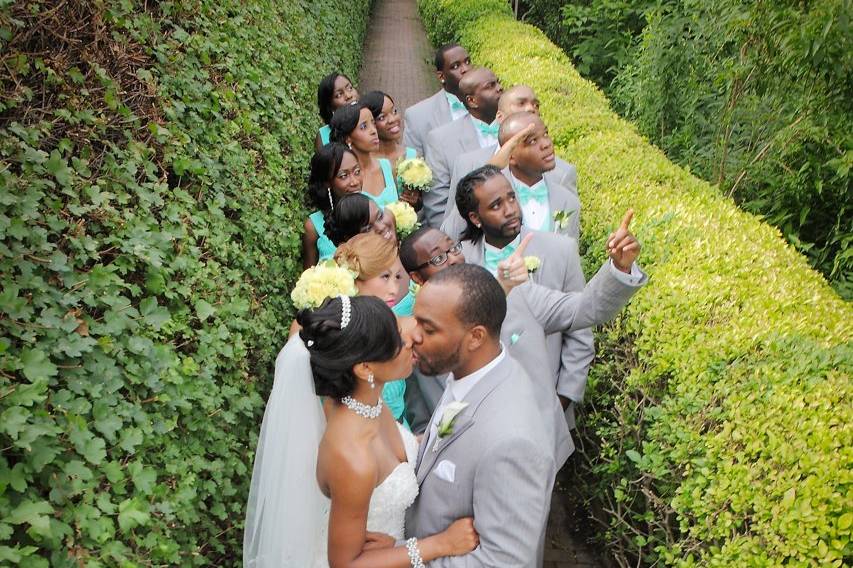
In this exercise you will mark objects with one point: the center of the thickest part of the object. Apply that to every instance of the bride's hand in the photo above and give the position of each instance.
(374, 540)
(460, 537)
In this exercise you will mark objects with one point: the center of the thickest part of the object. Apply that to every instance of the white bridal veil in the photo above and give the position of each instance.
(286, 510)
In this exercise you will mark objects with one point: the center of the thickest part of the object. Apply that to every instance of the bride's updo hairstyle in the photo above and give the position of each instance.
(366, 254)
(370, 335)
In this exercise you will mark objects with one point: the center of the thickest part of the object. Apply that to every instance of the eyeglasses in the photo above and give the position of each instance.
(441, 258)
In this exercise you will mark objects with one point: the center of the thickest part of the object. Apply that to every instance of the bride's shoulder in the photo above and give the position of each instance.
(345, 466)
(343, 451)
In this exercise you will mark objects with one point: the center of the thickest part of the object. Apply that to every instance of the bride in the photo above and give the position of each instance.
(340, 480)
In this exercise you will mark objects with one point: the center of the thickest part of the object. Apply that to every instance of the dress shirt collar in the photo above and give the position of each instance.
(459, 389)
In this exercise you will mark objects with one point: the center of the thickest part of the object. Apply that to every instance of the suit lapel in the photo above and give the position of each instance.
(473, 251)
(465, 419)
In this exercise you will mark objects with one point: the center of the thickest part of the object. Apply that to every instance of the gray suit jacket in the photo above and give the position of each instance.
(570, 352)
(443, 146)
(424, 117)
(559, 198)
(503, 474)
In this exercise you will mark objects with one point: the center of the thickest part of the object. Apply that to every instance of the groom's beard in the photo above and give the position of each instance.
(438, 366)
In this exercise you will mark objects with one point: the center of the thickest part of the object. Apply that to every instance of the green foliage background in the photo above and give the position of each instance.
(752, 96)
(718, 425)
(152, 158)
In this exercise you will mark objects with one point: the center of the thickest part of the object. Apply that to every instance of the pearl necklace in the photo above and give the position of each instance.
(364, 410)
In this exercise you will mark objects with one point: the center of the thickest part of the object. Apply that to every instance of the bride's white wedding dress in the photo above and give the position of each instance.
(390, 499)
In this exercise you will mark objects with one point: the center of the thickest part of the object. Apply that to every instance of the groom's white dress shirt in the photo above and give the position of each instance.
(455, 391)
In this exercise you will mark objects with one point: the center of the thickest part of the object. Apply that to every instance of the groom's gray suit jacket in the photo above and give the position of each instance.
(424, 117)
(443, 146)
(503, 474)
(569, 353)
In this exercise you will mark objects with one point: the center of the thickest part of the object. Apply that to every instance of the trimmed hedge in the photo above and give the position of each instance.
(152, 163)
(719, 421)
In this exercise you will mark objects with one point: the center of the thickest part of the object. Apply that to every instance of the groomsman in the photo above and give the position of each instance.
(488, 203)
(541, 196)
(481, 91)
(519, 98)
(451, 64)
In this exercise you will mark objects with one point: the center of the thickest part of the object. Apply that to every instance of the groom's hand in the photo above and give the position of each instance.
(375, 540)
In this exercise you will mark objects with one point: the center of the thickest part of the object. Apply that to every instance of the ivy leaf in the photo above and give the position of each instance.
(57, 166)
(143, 477)
(130, 515)
(204, 310)
(29, 512)
(36, 365)
(152, 314)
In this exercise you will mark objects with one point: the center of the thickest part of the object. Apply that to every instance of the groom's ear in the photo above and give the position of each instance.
(417, 278)
(477, 336)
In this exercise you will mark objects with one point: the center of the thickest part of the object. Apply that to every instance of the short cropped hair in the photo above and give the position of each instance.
(483, 300)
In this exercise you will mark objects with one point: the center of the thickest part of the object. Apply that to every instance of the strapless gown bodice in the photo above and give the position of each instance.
(390, 499)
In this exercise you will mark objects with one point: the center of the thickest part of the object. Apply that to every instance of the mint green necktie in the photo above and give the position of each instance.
(491, 258)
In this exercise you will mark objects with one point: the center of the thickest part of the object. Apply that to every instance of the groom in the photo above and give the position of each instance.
(492, 460)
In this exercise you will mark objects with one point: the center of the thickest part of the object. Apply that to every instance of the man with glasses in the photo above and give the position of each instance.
(534, 312)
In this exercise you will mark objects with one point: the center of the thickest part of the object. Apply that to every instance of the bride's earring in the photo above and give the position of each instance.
(370, 380)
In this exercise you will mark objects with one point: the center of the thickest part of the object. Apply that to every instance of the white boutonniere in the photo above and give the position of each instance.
(561, 219)
(532, 263)
(445, 425)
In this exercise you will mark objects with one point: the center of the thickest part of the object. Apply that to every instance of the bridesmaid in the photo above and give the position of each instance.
(334, 173)
(355, 214)
(354, 126)
(389, 126)
(380, 274)
(335, 90)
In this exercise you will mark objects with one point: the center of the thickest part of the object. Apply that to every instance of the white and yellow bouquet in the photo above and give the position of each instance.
(414, 173)
(326, 280)
(405, 217)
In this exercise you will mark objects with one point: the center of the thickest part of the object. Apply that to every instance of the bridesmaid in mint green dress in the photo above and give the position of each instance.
(354, 126)
(355, 213)
(335, 173)
(381, 274)
(389, 126)
(335, 90)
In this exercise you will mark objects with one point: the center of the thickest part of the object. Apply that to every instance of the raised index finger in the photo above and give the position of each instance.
(626, 220)
(519, 252)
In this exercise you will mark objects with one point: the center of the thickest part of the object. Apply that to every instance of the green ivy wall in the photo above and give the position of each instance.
(152, 159)
(718, 427)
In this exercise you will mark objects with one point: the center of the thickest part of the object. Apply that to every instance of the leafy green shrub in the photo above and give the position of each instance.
(719, 423)
(751, 96)
(152, 163)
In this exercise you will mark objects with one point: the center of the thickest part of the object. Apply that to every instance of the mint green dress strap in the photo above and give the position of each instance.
(406, 306)
(389, 194)
(325, 134)
(394, 393)
(325, 247)
(411, 153)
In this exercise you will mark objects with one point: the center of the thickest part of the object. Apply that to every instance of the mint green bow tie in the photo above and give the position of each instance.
(454, 102)
(488, 129)
(538, 193)
(492, 258)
